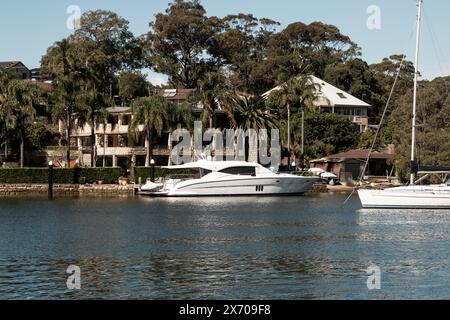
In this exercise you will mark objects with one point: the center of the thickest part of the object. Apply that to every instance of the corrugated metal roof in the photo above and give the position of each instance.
(329, 95)
(355, 154)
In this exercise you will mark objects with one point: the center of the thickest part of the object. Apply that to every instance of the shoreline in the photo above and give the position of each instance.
(14, 190)
(11, 190)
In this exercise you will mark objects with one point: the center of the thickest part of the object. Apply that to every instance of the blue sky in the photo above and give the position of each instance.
(28, 28)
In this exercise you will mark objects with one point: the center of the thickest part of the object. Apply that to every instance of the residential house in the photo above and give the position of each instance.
(349, 165)
(331, 99)
(21, 71)
(114, 146)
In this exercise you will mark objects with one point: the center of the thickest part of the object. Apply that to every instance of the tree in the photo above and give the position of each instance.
(84, 67)
(250, 113)
(37, 136)
(179, 116)
(106, 45)
(295, 97)
(19, 108)
(211, 91)
(150, 114)
(432, 131)
(240, 45)
(132, 84)
(94, 113)
(332, 132)
(5, 78)
(301, 48)
(386, 71)
(178, 42)
(60, 64)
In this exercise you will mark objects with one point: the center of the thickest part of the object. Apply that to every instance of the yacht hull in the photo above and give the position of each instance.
(251, 186)
(415, 197)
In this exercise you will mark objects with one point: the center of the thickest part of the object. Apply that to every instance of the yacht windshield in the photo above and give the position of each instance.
(243, 171)
(203, 172)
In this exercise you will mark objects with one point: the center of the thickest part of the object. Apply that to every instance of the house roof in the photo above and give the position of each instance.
(175, 94)
(329, 95)
(11, 64)
(355, 154)
(118, 109)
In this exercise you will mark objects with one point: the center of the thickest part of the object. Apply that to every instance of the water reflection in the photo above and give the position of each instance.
(167, 277)
(213, 248)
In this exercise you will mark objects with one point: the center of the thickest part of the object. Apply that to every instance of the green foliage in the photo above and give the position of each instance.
(145, 173)
(366, 140)
(250, 113)
(37, 136)
(240, 45)
(330, 133)
(301, 48)
(132, 84)
(151, 112)
(61, 176)
(91, 175)
(18, 101)
(177, 43)
(211, 90)
(433, 129)
(236, 53)
(357, 78)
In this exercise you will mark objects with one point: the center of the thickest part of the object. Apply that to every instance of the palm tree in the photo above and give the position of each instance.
(19, 108)
(4, 81)
(249, 113)
(67, 86)
(94, 113)
(295, 96)
(211, 90)
(150, 114)
(180, 116)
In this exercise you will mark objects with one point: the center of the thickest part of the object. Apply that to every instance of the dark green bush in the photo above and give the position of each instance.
(61, 176)
(91, 175)
(145, 173)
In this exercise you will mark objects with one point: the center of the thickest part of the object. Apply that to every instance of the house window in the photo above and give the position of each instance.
(123, 141)
(111, 141)
(125, 120)
(341, 95)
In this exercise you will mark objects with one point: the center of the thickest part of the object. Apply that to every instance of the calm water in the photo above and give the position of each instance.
(225, 248)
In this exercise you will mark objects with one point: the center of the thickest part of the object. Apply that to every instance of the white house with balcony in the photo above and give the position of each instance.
(331, 99)
(113, 145)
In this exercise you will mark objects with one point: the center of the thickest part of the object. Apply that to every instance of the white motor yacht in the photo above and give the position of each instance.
(230, 178)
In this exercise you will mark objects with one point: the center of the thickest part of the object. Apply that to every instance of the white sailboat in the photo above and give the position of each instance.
(412, 196)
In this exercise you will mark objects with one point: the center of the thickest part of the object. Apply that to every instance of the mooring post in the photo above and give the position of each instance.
(152, 164)
(50, 180)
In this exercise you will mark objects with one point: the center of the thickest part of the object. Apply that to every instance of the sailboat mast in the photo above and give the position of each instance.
(416, 75)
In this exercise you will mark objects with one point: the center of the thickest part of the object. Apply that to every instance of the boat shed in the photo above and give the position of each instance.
(349, 165)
